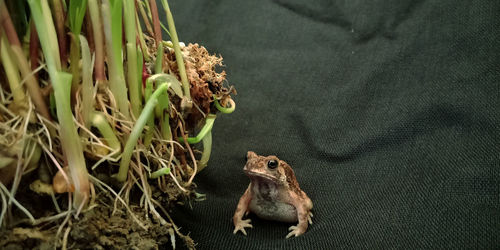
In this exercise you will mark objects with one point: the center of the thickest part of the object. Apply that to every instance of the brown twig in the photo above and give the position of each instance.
(179, 149)
(156, 22)
(190, 153)
(145, 18)
(61, 34)
(34, 47)
(98, 35)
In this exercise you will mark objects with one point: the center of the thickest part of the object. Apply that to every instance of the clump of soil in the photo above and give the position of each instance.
(98, 228)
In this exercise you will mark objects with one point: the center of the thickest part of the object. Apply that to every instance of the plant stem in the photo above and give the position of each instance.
(51, 48)
(22, 63)
(137, 130)
(186, 103)
(166, 132)
(143, 47)
(159, 59)
(139, 68)
(112, 23)
(34, 47)
(12, 73)
(145, 18)
(224, 109)
(130, 33)
(148, 91)
(207, 150)
(74, 54)
(95, 18)
(87, 86)
(61, 83)
(76, 13)
(160, 172)
(70, 139)
(156, 21)
(61, 34)
(209, 123)
(106, 131)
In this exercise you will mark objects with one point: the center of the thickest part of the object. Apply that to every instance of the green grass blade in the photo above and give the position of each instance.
(87, 86)
(186, 103)
(76, 13)
(61, 82)
(112, 25)
(146, 113)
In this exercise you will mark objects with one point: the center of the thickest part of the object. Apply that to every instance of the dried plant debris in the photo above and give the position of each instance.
(204, 77)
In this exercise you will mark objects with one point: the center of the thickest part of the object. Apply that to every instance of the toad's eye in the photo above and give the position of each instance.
(272, 164)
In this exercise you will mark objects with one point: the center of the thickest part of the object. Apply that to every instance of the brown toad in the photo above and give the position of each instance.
(273, 194)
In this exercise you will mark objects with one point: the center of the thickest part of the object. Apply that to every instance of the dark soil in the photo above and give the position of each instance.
(97, 229)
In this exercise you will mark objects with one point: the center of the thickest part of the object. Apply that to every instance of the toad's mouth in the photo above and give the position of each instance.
(261, 176)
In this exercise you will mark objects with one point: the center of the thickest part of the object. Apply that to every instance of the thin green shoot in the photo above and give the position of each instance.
(166, 132)
(100, 122)
(224, 109)
(134, 86)
(87, 85)
(160, 172)
(143, 46)
(165, 29)
(139, 67)
(148, 91)
(159, 59)
(158, 69)
(139, 126)
(207, 128)
(207, 150)
(186, 103)
(76, 13)
(145, 18)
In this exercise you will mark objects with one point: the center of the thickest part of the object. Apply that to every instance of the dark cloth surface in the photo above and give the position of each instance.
(388, 112)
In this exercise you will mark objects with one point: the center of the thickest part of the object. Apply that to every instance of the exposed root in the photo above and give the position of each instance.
(103, 185)
(15, 202)
(65, 238)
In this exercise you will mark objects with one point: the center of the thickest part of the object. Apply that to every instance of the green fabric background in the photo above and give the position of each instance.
(388, 111)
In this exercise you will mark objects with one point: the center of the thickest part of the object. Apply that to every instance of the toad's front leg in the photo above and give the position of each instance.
(242, 210)
(304, 216)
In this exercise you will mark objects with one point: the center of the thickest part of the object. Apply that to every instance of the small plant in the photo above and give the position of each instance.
(85, 111)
